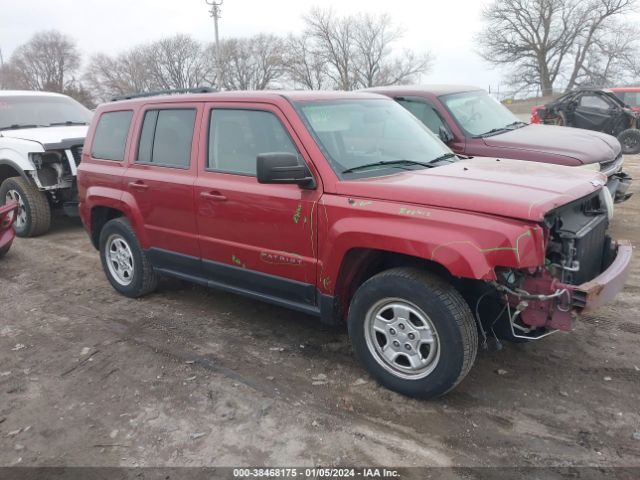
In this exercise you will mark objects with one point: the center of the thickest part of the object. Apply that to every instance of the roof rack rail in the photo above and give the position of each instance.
(163, 92)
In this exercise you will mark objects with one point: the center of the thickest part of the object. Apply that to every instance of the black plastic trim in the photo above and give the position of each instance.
(280, 291)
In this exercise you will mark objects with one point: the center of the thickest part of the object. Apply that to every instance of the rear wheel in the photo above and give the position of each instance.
(33, 216)
(413, 332)
(4, 250)
(630, 141)
(124, 262)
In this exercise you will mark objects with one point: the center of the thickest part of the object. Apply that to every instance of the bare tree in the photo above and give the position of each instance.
(180, 62)
(544, 42)
(127, 73)
(356, 51)
(334, 39)
(596, 28)
(254, 63)
(304, 63)
(48, 61)
(375, 66)
(612, 59)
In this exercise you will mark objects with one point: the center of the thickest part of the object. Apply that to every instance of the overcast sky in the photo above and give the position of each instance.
(444, 27)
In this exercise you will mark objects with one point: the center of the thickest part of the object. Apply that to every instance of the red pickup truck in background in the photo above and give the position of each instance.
(345, 207)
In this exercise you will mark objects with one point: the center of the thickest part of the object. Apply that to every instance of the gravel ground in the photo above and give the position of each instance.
(194, 377)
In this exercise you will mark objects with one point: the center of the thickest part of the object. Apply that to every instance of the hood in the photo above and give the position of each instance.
(585, 146)
(50, 137)
(507, 188)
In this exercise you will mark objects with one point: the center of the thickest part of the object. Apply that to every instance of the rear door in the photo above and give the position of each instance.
(254, 237)
(160, 179)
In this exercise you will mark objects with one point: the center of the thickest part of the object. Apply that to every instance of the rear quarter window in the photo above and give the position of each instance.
(110, 137)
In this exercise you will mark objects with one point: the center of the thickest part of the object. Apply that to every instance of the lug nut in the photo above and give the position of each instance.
(392, 331)
(407, 346)
(412, 336)
(401, 326)
(396, 343)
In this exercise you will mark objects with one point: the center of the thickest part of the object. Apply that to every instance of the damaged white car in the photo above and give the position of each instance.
(41, 138)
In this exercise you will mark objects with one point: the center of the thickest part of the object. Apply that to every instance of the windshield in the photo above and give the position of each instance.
(41, 111)
(477, 113)
(358, 133)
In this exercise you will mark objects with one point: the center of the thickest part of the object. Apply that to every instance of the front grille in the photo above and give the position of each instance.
(77, 154)
(590, 243)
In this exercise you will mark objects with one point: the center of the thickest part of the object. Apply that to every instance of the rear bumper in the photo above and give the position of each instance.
(601, 290)
(6, 222)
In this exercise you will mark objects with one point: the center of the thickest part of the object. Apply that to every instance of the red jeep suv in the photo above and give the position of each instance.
(344, 206)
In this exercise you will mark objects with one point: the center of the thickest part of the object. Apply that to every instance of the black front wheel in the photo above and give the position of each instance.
(33, 216)
(630, 141)
(413, 332)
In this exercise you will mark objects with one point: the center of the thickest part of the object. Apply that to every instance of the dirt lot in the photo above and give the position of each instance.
(194, 377)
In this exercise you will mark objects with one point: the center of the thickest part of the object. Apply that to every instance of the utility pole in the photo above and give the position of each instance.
(215, 14)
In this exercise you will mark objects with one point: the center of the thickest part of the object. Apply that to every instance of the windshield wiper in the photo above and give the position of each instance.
(17, 126)
(506, 128)
(493, 131)
(69, 122)
(384, 163)
(445, 156)
(516, 124)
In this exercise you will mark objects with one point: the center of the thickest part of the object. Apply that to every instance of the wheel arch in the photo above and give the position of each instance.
(360, 264)
(100, 215)
(9, 168)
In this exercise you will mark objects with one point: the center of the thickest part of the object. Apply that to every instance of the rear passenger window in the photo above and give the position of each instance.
(111, 135)
(166, 137)
(237, 137)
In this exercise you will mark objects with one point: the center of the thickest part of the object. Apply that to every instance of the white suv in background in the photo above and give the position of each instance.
(41, 138)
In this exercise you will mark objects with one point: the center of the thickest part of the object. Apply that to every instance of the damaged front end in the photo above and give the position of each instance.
(584, 269)
(55, 172)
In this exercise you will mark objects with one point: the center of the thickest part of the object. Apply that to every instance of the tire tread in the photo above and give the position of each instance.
(39, 208)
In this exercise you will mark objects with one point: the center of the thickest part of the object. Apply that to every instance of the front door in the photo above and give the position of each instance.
(160, 179)
(593, 112)
(257, 238)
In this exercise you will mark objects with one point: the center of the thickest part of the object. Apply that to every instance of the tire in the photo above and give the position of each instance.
(427, 370)
(34, 213)
(126, 255)
(630, 141)
(4, 250)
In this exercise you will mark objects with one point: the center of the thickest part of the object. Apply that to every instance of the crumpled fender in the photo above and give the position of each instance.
(468, 245)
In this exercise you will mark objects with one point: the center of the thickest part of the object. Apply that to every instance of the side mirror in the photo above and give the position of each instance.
(283, 168)
(445, 134)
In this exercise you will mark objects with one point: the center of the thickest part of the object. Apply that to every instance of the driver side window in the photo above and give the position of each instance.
(424, 112)
(237, 137)
(594, 101)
